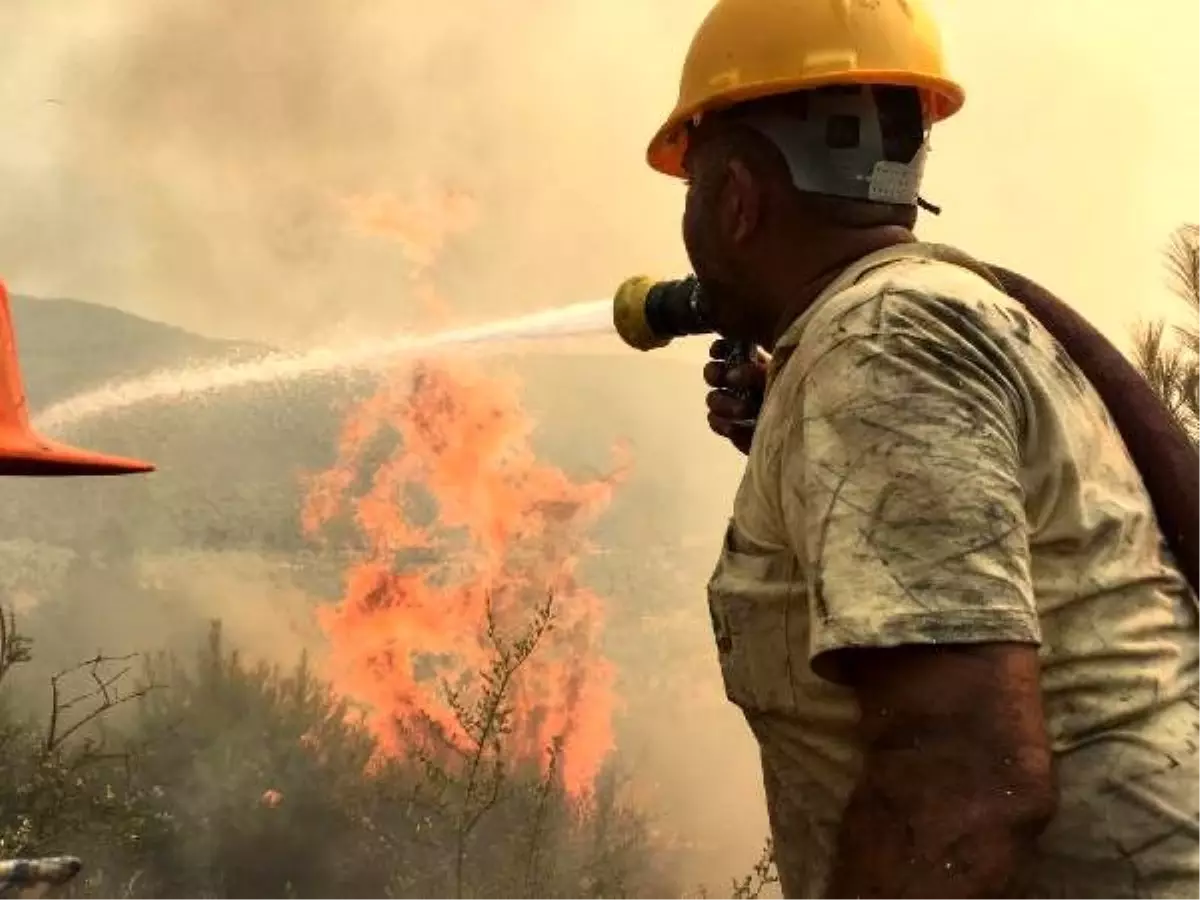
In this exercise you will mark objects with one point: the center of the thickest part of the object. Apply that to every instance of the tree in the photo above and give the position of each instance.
(1170, 356)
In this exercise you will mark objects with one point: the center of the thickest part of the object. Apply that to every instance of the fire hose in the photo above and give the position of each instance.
(46, 871)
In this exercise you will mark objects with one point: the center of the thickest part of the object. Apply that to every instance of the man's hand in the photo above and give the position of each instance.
(734, 404)
(956, 781)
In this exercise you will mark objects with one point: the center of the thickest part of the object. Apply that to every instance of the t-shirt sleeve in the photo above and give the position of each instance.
(901, 480)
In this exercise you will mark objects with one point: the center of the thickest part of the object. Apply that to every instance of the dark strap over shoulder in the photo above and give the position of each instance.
(1164, 455)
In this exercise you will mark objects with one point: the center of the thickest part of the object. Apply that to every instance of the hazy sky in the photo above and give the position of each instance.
(191, 161)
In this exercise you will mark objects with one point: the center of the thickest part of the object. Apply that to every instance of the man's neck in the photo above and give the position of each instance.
(799, 288)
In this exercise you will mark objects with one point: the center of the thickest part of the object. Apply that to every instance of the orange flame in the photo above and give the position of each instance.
(500, 531)
(508, 530)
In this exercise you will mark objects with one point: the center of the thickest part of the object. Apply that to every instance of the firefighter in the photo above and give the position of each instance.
(943, 601)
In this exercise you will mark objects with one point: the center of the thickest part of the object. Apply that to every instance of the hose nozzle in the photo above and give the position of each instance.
(649, 314)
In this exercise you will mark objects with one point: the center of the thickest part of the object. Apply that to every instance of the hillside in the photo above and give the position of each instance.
(68, 345)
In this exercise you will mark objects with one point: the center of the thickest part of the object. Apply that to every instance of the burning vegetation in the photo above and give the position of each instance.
(470, 547)
(458, 741)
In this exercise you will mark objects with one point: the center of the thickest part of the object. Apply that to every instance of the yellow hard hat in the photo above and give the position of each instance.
(749, 49)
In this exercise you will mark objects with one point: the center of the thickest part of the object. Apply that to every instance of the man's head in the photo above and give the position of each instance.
(801, 127)
(782, 189)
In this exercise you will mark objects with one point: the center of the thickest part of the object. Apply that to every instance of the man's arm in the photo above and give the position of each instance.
(956, 781)
(902, 490)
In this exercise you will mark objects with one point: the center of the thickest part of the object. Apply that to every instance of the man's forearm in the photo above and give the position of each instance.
(892, 845)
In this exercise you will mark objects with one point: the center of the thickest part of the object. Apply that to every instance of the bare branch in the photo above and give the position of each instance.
(14, 646)
(105, 692)
(532, 886)
(490, 720)
(761, 876)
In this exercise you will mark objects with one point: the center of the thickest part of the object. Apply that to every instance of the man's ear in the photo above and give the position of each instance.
(741, 202)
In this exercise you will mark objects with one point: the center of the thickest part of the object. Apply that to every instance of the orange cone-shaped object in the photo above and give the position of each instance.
(22, 450)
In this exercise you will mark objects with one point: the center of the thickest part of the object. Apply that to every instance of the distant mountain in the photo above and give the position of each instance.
(221, 478)
(69, 346)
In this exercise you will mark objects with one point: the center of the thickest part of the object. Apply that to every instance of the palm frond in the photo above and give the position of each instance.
(1170, 357)
(1183, 263)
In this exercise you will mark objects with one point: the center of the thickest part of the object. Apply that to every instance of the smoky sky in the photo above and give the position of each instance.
(191, 161)
(196, 160)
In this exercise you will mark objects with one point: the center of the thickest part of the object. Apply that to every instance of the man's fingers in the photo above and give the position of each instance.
(721, 348)
(729, 415)
(723, 427)
(738, 435)
(714, 373)
(747, 376)
(727, 406)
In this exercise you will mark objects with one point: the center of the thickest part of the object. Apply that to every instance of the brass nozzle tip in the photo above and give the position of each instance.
(629, 314)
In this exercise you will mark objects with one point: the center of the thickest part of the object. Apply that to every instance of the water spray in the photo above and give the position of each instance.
(646, 314)
(170, 385)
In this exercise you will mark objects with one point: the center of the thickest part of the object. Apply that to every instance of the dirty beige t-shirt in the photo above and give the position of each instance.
(930, 467)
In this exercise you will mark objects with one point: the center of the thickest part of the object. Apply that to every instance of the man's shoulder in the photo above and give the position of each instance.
(919, 292)
(934, 313)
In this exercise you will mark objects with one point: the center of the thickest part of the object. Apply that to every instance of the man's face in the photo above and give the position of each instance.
(716, 243)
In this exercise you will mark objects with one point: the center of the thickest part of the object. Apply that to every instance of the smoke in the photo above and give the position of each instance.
(179, 159)
(191, 160)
